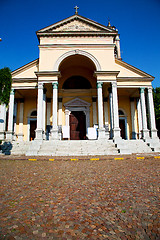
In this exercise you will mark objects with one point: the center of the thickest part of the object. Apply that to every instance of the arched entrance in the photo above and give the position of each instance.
(77, 125)
(77, 85)
(123, 124)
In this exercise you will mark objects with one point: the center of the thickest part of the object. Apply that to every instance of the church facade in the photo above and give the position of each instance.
(79, 88)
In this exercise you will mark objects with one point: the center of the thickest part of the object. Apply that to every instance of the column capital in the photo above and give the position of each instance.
(12, 91)
(99, 84)
(114, 84)
(55, 85)
(149, 89)
(142, 89)
(40, 85)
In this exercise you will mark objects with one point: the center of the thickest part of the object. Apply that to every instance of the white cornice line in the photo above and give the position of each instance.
(78, 52)
(25, 87)
(134, 79)
(76, 46)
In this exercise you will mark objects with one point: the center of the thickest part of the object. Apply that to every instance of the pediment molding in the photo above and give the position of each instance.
(77, 102)
(76, 24)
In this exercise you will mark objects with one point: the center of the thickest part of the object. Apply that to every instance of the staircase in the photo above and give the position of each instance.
(134, 146)
(77, 148)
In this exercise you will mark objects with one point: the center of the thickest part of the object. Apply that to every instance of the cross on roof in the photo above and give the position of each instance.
(76, 12)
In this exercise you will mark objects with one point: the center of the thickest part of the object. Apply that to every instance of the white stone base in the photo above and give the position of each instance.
(101, 133)
(20, 137)
(9, 136)
(116, 133)
(39, 135)
(145, 134)
(2, 135)
(54, 134)
(154, 133)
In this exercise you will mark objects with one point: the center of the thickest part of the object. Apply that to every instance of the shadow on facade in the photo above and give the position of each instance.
(6, 148)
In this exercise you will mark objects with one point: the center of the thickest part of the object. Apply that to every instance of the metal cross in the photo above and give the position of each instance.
(76, 12)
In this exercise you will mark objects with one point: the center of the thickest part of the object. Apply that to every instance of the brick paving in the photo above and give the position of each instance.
(105, 199)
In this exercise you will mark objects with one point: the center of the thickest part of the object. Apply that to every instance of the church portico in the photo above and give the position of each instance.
(79, 88)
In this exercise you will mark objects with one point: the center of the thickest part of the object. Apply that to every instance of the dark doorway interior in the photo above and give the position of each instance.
(33, 125)
(122, 127)
(77, 125)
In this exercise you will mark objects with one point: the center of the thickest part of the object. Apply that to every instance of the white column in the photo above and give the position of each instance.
(151, 114)
(54, 131)
(39, 113)
(133, 119)
(139, 118)
(101, 130)
(144, 117)
(106, 123)
(44, 114)
(111, 112)
(116, 129)
(20, 134)
(94, 106)
(59, 111)
(9, 134)
(2, 121)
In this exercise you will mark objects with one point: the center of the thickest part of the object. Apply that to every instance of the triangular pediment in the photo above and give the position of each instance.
(77, 23)
(77, 102)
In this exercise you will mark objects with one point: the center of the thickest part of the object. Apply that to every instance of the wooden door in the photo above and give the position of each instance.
(122, 127)
(33, 125)
(77, 125)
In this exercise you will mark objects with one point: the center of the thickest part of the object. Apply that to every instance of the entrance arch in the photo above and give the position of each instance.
(77, 52)
(123, 123)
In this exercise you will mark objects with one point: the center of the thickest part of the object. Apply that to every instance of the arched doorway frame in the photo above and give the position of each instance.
(124, 117)
(77, 52)
(30, 118)
(78, 104)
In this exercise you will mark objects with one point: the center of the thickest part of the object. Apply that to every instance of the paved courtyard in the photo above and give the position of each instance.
(84, 199)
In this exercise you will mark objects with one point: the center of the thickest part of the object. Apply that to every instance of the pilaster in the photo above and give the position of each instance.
(2, 121)
(144, 117)
(54, 131)
(39, 129)
(152, 114)
(21, 110)
(134, 135)
(9, 133)
(101, 130)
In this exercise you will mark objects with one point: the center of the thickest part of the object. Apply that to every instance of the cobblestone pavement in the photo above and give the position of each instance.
(105, 199)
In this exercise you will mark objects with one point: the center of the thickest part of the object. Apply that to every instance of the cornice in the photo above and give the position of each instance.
(48, 73)
(26, 80)
(106, 73)
(77, 45)
(59, 34)
(134, 79)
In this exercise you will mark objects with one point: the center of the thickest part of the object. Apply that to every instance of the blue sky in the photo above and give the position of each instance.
(138, 23)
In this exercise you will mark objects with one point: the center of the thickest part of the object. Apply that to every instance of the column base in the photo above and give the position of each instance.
(116, 133)
(145, 134)
(9, 135)
(2, 135)
(154, 133)
(101, 133)
(39, 135)
(20, 137)
(54, 134)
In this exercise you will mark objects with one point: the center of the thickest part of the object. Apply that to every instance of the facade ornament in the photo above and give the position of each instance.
(99, 84)
(76, 12)
(55, 85)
